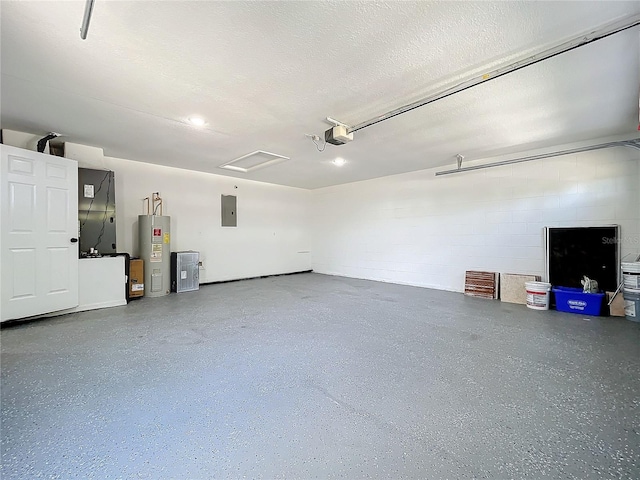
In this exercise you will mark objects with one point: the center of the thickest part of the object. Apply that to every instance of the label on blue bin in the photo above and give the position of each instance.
(576, 304)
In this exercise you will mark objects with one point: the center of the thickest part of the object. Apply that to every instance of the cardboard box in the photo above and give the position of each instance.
(616, 309)
(136, 278)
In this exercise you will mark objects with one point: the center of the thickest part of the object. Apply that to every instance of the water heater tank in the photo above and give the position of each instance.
(155, 249)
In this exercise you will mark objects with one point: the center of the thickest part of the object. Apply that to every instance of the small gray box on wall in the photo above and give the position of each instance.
(229, 213)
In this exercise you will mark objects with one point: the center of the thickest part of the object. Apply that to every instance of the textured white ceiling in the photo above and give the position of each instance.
(265, 73)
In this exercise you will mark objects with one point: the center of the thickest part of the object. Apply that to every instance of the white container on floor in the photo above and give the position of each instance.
(631, 276)
(538, 295)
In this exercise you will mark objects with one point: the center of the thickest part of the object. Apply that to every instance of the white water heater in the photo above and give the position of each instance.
(154, 236)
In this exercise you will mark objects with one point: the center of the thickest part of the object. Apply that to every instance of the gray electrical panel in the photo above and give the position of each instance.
(229, 212)
(155, 250)
(97, 210)
(185, 273)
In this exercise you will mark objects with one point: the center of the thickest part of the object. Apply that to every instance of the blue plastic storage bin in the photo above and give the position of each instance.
(574, 300)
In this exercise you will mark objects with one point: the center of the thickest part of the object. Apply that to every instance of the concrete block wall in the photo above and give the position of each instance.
(272, 236)
(423, 230)
(412, 228)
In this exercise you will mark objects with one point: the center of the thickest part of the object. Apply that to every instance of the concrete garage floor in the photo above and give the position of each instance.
(313, 376)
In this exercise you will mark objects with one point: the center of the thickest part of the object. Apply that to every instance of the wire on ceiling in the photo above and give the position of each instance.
(316, 139)
(324, 145)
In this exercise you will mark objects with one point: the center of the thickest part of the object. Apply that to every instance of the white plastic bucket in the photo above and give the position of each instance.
(631, 276)
(538, 295)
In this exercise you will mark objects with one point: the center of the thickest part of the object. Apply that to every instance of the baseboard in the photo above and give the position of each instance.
(394, 282)
(254, 278)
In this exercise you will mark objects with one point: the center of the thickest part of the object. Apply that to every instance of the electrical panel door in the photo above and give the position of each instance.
(229, 211)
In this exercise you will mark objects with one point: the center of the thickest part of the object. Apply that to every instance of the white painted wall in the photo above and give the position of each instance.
(273, 233)
(272, 236)
(413, 228)
(423, 230)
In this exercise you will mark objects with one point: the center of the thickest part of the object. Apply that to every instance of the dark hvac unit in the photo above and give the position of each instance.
(97, 210)
(185, 275)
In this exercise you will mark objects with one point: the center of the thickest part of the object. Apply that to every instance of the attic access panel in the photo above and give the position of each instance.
(572, 252)
(253, 161)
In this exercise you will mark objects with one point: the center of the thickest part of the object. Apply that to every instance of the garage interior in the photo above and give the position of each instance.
(340, 171)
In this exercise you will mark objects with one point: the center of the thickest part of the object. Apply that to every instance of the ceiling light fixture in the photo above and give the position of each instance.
(196, 121)
(338, 162)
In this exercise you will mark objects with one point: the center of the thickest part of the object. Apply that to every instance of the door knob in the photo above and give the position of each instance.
(74, 240)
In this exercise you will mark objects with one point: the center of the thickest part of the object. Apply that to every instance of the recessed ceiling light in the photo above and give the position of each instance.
(339, 161)
(196, 121)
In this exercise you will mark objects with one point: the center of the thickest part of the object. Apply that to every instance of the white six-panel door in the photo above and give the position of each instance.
(39, 229)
